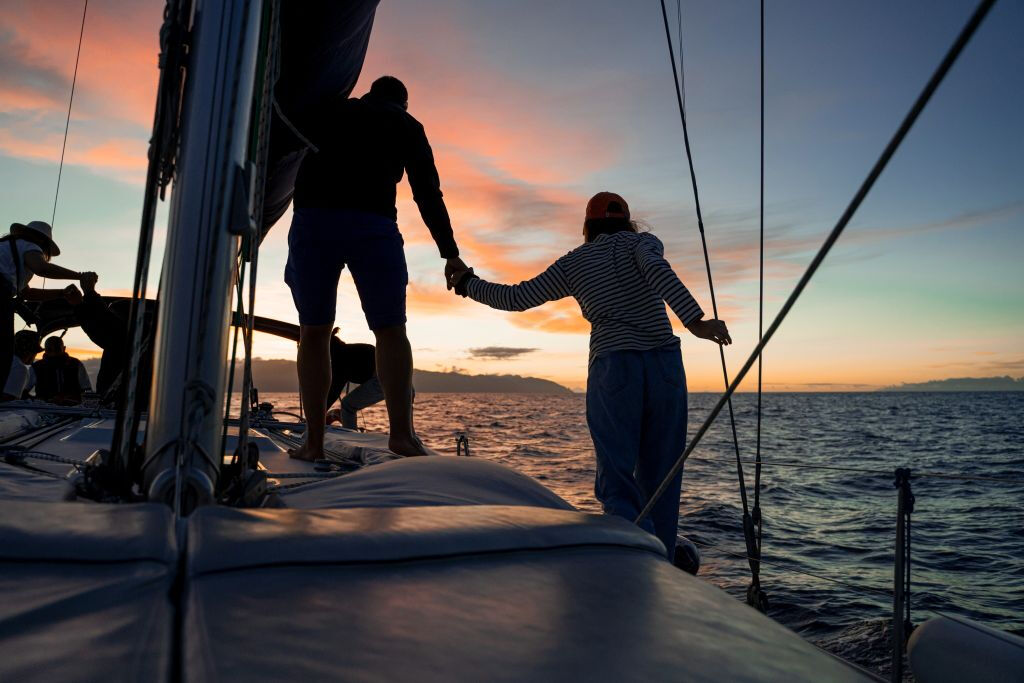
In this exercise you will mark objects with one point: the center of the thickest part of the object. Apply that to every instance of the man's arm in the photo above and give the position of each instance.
(426, 190)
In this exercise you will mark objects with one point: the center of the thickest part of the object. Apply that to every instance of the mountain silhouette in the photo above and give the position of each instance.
(1004, 383)
(278, 374)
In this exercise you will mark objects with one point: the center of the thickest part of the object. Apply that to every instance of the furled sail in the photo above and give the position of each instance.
(323, 45)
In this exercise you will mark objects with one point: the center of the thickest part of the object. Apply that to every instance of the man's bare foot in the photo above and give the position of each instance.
(304, 452)
(407, 446)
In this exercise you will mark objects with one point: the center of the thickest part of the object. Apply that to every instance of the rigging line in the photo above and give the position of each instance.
(853, 586)
(908, 121)
(915, 474)
(159, 172)
(704, 246)
(964, 477)
(259, 144)
(749, 534)
(760, 314)
(67, 121)
(230, 391)
(679, 37)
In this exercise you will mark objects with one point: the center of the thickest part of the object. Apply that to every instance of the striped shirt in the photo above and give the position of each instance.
(621, 282)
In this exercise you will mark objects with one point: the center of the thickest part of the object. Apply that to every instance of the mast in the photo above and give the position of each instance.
(210, 208)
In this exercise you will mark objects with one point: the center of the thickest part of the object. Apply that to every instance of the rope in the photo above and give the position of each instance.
(916, 474)
(259, 149)
(756, 513)
(933, 83)
(67, 121)
(286, 487)
(853, 586)
(229, 393)
(304, 475)
(965, 477)
(39, 455)
(163, 147)
(878, 473)
(748, 531)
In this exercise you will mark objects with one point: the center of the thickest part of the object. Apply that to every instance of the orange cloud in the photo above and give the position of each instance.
(554, 316)
(115, 90)
(433, 299)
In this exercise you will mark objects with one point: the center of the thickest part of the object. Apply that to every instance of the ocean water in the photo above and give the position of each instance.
(967, 536)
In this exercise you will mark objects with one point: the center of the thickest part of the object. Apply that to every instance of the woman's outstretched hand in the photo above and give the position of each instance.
(714, 330)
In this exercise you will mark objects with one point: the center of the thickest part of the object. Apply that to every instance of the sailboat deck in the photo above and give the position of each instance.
(490, 576)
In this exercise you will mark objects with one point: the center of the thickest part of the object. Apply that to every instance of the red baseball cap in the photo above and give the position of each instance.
(607, 205)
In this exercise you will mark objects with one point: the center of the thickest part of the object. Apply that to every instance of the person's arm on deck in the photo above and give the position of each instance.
(550, 285)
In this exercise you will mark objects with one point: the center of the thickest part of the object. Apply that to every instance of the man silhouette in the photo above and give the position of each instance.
(345, 215)
(60, 378)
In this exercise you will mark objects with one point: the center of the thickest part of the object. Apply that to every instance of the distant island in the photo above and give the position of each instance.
(278, 374)
(1004, 383)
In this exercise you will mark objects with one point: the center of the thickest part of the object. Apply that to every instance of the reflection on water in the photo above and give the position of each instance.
(968, 537)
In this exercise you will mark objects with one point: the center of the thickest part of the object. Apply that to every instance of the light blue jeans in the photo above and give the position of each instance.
(365, 395)
(636, 411)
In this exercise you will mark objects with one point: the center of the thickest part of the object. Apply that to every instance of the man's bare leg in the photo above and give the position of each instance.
(394, 369)
(314, 367)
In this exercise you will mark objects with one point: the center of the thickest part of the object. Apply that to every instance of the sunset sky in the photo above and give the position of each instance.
(533, 106)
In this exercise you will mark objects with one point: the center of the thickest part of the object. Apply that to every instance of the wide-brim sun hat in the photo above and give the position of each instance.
(41, 228)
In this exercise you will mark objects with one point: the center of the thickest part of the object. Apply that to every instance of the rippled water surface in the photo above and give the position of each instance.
(968, 536)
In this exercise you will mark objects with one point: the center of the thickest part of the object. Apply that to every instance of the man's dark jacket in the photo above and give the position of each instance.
(364, 147)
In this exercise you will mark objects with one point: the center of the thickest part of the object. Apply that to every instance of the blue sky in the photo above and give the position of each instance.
(533, 106)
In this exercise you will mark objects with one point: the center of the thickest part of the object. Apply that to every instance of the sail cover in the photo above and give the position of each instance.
(323, 44)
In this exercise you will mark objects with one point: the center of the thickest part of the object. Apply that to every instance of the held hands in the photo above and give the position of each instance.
(713, 330)
(454, 269)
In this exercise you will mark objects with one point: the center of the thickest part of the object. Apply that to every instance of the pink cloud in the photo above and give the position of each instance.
(114, 95)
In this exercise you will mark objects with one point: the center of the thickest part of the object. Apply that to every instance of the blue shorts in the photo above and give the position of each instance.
(322, 242)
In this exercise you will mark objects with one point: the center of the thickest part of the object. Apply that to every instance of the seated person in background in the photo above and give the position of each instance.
(107, 327)
(21, 378)
(59, 377)
(352, 364)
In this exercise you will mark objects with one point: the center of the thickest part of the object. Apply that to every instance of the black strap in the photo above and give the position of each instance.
(16, 258)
